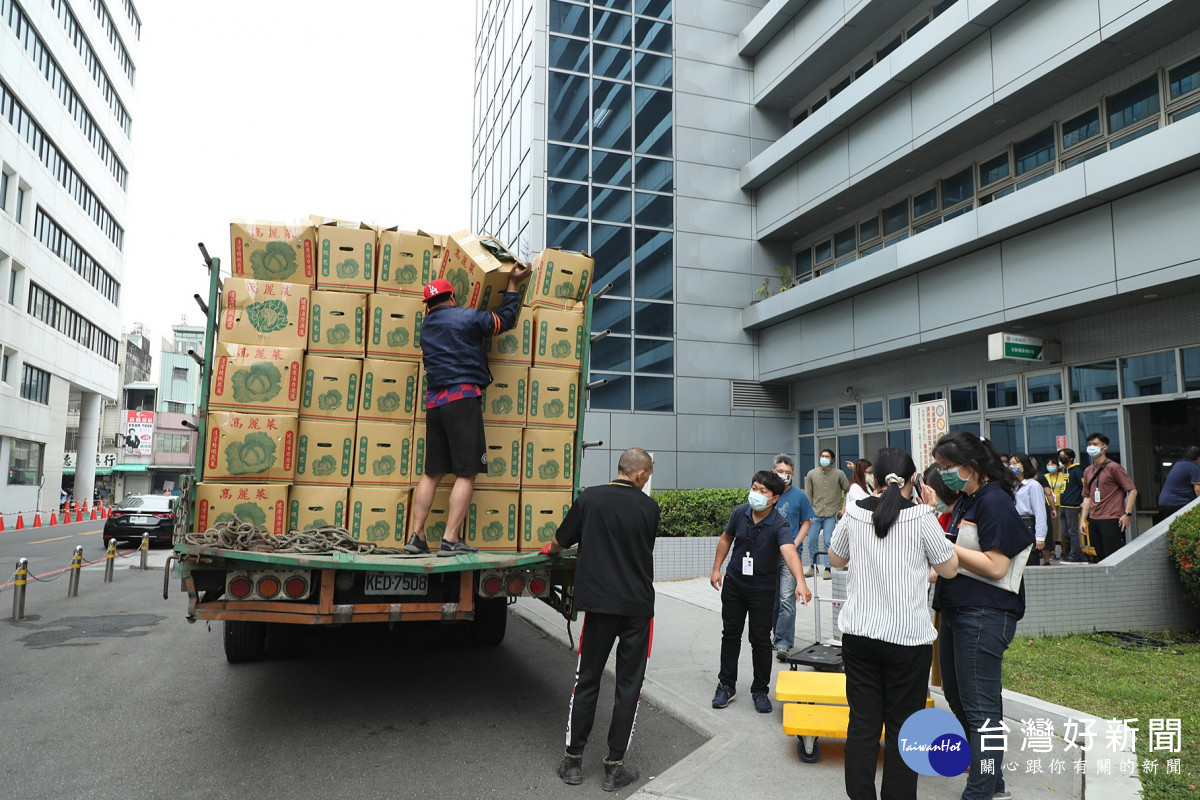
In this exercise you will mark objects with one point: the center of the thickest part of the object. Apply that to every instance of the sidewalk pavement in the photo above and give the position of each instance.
(747, 754)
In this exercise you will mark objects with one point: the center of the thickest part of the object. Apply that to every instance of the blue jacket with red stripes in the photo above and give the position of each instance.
(452, 341)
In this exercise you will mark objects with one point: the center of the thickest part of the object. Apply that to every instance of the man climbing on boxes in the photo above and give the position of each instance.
(455, 362)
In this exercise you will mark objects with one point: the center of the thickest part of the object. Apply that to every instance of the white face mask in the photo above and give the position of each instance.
(825, 462)
(1093, 450)
(758, 502)
(870, 481)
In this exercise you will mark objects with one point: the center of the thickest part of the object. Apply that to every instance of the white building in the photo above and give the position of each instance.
(66, 94)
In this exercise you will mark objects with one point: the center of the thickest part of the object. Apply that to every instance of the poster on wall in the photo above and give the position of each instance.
(139, 433)
(929, 423)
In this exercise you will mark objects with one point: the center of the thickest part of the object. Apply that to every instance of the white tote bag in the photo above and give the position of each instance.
(968, 537)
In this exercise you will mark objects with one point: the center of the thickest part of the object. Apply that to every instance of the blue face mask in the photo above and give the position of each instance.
(758, 502)
(1015, 469)
(942, 508)
(825, 462)
(1051, 469)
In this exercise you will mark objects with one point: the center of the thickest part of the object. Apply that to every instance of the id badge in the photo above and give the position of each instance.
(747, 565)
(1096, 495)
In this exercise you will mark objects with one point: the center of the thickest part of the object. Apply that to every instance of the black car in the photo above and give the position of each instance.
(142, 513)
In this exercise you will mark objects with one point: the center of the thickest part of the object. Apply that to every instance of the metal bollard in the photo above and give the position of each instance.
(20, 577)
(76, 568)
(110, 556)
(145, 548)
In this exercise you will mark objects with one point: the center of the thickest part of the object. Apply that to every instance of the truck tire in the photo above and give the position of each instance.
(244, 641)
(491, 619)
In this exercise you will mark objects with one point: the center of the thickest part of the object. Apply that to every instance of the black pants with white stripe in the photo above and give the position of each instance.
(600, 631)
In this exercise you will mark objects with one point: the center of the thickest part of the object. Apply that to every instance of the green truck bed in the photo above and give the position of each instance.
(242, 559)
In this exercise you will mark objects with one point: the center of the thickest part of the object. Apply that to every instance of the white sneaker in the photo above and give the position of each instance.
(808, 572)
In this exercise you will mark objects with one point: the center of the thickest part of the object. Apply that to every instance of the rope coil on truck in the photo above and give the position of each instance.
(238, 535)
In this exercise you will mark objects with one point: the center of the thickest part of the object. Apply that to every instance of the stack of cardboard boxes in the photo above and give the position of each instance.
(317, 412)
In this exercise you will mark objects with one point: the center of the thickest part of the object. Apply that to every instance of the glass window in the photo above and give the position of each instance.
(925, 203)
(612, 168)
(1034, 151)
(888, 48)
(567, 110)
(1106, 422)
(825, 419)
(609, 26)
(654, 259)
(24, 462)
(838, 87)
(900, 438)
(803, 262)
(655, 8)
(868, 229)
(808, 455)
(969, 427)
(653, 122)
(1081, 128)
(611, 249)
(1187, 112)
(921, 23)
(858, 73)
(620, 5)
(1148, 375)
(611, 352)
(1043, 435)
(611, 313)
(1139, 133)
(612, 62)
(964, 399)
(614, 395)
(994, 169)
(653, 35)
(654, 319)
(872, 412)
(567, 234)
(1044, 388)
(653, 210)
(567, 199)
(925, 397)
(823, 251)
(654, 174)
(569, 54)
(653, 394)
(958, 188)
(568, 18)
(898, 408)
(612, 117)
(843, 242)
(895, 218)
(1003, 394)
(1008, 435)
(652, 69)
(1184, 78)
(1093, 382)
(1191, 369)
(848, 449)
(566, 162)
(653, 355)
(611, 205)
(1085, 156)
(847, 416)
(1132, 105)
(807, 417)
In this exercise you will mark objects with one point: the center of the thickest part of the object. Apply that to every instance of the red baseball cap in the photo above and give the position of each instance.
(437, 289)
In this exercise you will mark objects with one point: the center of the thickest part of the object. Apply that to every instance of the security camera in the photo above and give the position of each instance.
(849, 390)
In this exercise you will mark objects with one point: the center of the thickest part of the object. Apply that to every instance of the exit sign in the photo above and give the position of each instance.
(1014, 348)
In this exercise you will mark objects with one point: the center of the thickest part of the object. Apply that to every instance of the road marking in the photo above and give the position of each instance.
(55, 539)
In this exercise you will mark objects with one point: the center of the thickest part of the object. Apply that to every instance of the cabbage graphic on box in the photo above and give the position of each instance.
(389, 402)
(546, 532)
(246, 512)
(378, 532)
(275, 262)
(548, 470)
(255, 453)
(318, 523)
(435, 531)
(258, 384)
(338, 334)
(397, 337)
(268, 316)
(560, 349)
(496, 466)
(502, 405)
(407, 274)
(492, 532)
(508, 344)
(554, 408)
(564, 290)
(461, 282)
(385, 465)
(328, 401)
(347, 269)
(325, 465)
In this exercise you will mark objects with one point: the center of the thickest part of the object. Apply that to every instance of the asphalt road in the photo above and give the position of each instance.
(114, 695)
(50, 548)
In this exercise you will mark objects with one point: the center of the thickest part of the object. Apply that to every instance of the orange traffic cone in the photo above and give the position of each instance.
(20, 523)
(93, 516)
(1, 523)
(37, 520)
(78, 515)
(85, 506)
(53, 518)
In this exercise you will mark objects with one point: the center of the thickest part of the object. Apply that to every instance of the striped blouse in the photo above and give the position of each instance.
(888, 583)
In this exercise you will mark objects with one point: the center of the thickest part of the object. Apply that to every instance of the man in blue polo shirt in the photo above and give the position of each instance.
(759, 536)
(794, 506)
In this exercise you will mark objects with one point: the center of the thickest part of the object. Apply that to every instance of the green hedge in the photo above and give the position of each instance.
(696, 512)
(1183, 544)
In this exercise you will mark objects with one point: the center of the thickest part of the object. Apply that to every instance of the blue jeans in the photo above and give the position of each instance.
(972, 642)
(820, 525)
(785, 608)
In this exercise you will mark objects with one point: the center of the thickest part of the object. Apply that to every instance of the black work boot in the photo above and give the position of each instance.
(616, 775)
(570, 769)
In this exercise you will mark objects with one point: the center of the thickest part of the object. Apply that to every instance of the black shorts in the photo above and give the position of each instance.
(454, 440)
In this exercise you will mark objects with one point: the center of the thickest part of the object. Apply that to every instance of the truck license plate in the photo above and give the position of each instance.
(390, 583)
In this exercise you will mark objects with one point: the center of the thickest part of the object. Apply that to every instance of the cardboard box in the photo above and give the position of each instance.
(250, 448)
(395, 327)
(325, 452)
(541, 514)
(549, 459)
(477, 267)
(419, 414)
(514, 346)
(435, 523)
(559, 338)
(406, 262)
(560, 279)
(273, 251)
(249, 377)
(379, 515)
(555, 399)
(493, 520)
(264, 504)
(504, 400)
(504, 458)
(382, 454)
(312, 507)
(390, 391)
(347, 256)
(416, 464)
(263, 313)
(331, 388)
(338, 324)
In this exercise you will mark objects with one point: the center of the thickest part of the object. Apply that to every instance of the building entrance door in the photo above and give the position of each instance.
(1157, 434)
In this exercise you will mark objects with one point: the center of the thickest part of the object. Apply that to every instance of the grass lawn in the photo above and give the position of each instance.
(1111, 682)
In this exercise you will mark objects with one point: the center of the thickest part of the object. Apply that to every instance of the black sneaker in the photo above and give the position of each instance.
(781, 653)
(570, 769)
(456, 548)
(723, 696)
(617, 775)
(417, 546)
(762, 703)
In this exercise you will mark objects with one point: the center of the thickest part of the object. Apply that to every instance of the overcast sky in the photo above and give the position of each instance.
(278, 109)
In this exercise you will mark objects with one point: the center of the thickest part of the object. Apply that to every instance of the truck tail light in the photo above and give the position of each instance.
(263, 585)
(240, 588)
(295, 586)
(492, 585)
(537, 586)
(516, 585)
(267, 587)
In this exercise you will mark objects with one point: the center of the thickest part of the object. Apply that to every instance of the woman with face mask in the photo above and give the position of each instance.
(1030, 500)
(979, 619)
(862, 483)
